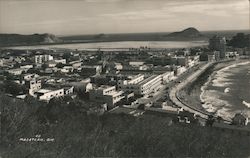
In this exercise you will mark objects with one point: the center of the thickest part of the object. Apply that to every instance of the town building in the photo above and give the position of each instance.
(211, 57)
(217, 55)
(82, 86)
(34, 86)
(67, 69)
(179, 70)
(63, 61)
(106, 94)
(218, 43)
(193, 60)
(76, 64)
(141, 86)
(16, 72)
(91, 69)
(179, 60)
(167, 76)
(68, 90)
(26, 66)
(48, 94)
(149, 85)
(29, 77)
(40, 59)
(1, 62)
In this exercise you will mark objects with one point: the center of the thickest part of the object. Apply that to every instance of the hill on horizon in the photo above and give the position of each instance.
(17, 39)
(189, 34)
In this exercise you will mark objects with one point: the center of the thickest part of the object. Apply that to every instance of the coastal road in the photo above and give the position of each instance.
(173, 95)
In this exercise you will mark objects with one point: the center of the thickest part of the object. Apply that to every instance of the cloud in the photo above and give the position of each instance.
(120, 15)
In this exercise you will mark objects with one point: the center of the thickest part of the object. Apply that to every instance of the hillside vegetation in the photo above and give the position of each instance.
(77, 134)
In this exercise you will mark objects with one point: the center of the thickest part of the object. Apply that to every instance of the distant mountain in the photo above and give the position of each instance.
(17, 39)
(187, 34)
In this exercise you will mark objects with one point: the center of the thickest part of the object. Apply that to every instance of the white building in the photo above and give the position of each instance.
(63, 61)
(149, 85)
(16, 72)
(136, 63)
(34, 86)
(168, 76)
(106, 94)
(211, 57)
(76, 64)
(179, 70)
(132, 80)
(48, 94)
(40, 59)
(141, 86)
(29, 77)
(68, 90)
(67, 69)
(1, 62)
(26, 67)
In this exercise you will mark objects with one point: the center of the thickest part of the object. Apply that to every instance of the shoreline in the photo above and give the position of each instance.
(186, 44)
(223, 110)
(194, 91)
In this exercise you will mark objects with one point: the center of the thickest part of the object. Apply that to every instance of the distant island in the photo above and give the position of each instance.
(187, 34)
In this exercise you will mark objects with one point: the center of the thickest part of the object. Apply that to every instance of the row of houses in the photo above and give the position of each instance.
(127, 86)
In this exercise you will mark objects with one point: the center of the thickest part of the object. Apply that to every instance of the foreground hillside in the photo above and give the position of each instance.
(76, 134)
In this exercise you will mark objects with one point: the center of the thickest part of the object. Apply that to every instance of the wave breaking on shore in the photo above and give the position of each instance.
(213, 99)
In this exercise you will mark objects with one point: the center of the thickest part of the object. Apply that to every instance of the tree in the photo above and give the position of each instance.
(33, 71)
(210, 121)
(240, 41)
(13, 88)
(66, 56)
(44, 66)
(60, 65)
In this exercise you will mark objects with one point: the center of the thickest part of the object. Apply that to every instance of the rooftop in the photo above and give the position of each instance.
(116, 93)
(147, 79)
(43, 91)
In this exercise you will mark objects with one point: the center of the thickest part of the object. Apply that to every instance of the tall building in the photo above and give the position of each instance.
(40, 59)
(218, 43)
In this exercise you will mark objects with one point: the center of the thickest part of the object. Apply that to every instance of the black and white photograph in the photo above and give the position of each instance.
(125, 78)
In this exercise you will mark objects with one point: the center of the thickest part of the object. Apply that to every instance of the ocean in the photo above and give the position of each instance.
(119, 45)
(227, 91)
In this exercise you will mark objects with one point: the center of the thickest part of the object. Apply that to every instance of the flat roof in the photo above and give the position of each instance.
(104, 87)
(147, 79)
(115, 93)
(43, 91)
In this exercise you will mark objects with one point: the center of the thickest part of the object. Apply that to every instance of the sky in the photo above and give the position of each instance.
(72, 17)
